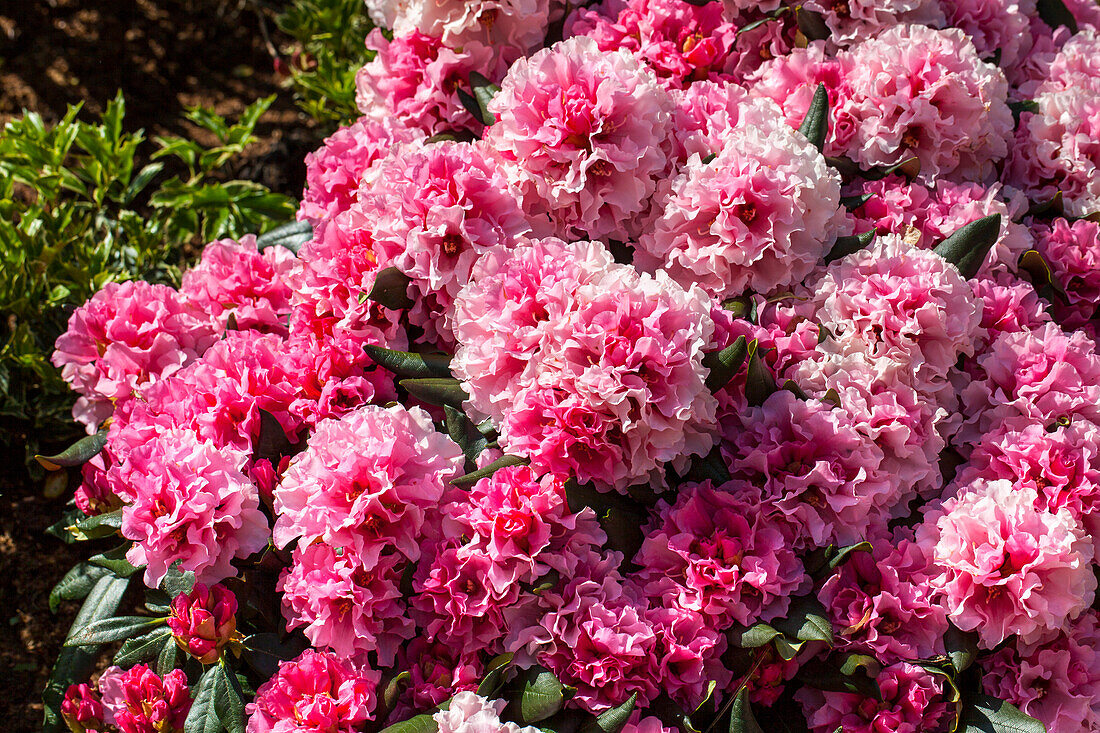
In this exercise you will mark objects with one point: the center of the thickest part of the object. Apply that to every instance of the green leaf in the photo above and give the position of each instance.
(290, 236)
(166, 658)
(409, 364)
(1055, 14)
(1042, 277)
(807, 620)
(812, 24)
(741, 718)
(143, 648)
(484, 91)
(985, 714)
(472, 478)
(824, 559)
(723, 365)
(752, 637)
(265, 650)
(203, 718)
(1054, 206)
(540, 695)
(436, 390)
(272, 443)
(815, 125)
(711, 467)
(229, 706)
(390, 692)
(759, 382)
(75, 663)
(177, 581)
(106, 630)
(76, 454)
(961, 646)
(968, 246)
(849, 244)
(423, 723)
(97, 527)
(494, 675)
(851, 203)
(852, 673)
(613, 720)
(76, 584)
(463, 432)
(115, 561)
(390, 289)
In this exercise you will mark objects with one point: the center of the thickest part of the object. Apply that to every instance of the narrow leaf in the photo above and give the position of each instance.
(759, 382)
(291, 236)
(76, 454)
(613, 720)
(849, 244)
(484, 91)
(463, 432)
(436, 390)
(104, 631)
(410, 365)
(968, 246)
(423, 723)
(741, 718)
(142, 648)
(723, 365)
(203, 718)
(166, 659)
(229, 699)
(815, 125)
(76, 584)
(472, 478)
(1042, 277)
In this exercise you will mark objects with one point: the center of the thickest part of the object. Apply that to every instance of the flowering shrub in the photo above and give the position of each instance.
(645, 366)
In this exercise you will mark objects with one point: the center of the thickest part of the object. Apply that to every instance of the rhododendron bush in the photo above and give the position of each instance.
(641, 366)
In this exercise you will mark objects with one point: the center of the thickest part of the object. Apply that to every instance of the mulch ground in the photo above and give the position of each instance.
(164, 55)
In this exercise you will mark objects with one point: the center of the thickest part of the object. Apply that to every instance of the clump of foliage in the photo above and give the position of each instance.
(328, 49)
(83, 204)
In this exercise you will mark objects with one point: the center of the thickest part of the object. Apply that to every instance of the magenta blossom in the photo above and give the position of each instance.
(315, 693)
(82, 709)
(139, 701)
(204, 621)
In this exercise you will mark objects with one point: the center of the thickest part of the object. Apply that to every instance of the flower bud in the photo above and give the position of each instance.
(203, 621)
(82, 709)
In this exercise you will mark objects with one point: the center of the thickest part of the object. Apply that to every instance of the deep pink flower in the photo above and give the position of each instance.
(689, 654)
(95, 494)
(82, 709)
(1005, 567)
(1009, 305)
(315, 693)
(437, 672)
(999, 27)
(127, 336)
(912, 702)
(139, 701)
(581, 133)
(204, 621)
(1073, 253)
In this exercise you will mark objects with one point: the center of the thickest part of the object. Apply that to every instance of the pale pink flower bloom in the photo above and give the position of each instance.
(912, 702)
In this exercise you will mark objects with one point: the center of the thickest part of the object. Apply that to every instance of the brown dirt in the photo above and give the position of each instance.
(164, 55)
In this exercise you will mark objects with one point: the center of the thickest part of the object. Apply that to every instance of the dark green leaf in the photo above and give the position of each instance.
(807, 620)
(484, 91)
(767, 19)
(436, 390)
(76, 454)
(815, 125)
(968, 246)
(408, 364)
(106, 630)
(759, 382)
(464, 433)
(291, 236)
(794, 389)
(115, 561)
(851, 203)
(613, 720)
(76, 584)
(1042, 277)
(812, 24)
(752, 637)
(143, 648)
(1054, 206)
(910, 168)
(824, 559)
(471, 104)
(711, 467)
(852, 673)
(849, 244)
(494, 675)
(203, 717)
(97, 527)
(166, 659)
(540, 695)
(390, 692)
(472, 478)
(1055, 14)
(229, 702)
(987, 714)
(723, 365)
(424, 723)
(390, 289)
(961, 646)
(177, 581)
(741, 718)
(272, 443)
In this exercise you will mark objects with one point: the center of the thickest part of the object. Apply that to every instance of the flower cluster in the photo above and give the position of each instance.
(644, 359)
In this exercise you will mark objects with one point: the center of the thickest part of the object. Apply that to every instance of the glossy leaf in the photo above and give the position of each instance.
(115, 561)
(759, 382)
(961, 647)
(815, 124)
(494, 675)
(391, 289)
(76, 584)
(463, 432)
(985, 714)
(97, 527)
(472, 478)
(177, 581)
(741, 718)
(812, 24)
(540, 695)
(291, 235)
(723, 365)
(613, 720)
(76, 454)
(849, 244)
(143, 648)
(436, 390)
(423, 723)
(104, 631)
(410, 365)
(968, 246)
(807, 620)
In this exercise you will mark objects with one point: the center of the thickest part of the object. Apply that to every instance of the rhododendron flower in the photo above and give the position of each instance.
(82, 709)
(1073, 253)
(315, 693)
(413, 79)
(856, 20)
(1056, 681)
(682, 42)
(997, 28)
(193, 503)
(1005, 567)
(431, 212)
(204, 621)
(235, 279)
(912, 702)
(468, 712)
(1009, 305)
(139, 701)
(95, 494)
(759, 216)
(437, 671)
(369, 477)
(715, 552)
(581, 133)
(510, 27)
(125, 337)
(347, 601)
(689, 650)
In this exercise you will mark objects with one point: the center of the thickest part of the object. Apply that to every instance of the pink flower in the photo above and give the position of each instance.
(192, 502)
(715, 552)
(689, 650)
(432, 211)
(581, 133)
(995, 26)
(706, 112)
(893, 301)
(139, 701)
(204, 621)
(681, 42)
(1009, 305)
(334, 171)
(413, 79)
(233, 278)
(912, 702)
(82, 709)
(127, 336)
(371, 476)
(512, 28)
(1055, 681)
(315, 693)
(348, 601)
(95, 494)
(1073, 253)
(852, 22)
(881, 603)
(759, 216)
(1006, 567)
(468, 712)
(437, 672)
